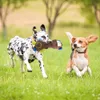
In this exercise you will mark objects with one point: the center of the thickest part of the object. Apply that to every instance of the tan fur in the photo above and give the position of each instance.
(79, 60)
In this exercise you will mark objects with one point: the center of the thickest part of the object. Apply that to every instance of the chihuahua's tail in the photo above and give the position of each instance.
(69, 36)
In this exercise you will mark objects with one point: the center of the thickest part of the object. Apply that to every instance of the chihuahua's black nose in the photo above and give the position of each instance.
(75, 45)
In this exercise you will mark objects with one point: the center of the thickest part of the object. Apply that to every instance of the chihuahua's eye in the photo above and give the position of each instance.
(80, 41)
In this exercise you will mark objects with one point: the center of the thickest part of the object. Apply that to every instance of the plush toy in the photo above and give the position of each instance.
(55, 44)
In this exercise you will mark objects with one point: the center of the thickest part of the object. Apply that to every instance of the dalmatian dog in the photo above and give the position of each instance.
(28, 52)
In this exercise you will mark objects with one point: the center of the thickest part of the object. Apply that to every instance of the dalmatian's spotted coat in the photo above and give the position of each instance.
(27, 52)
(24, 49)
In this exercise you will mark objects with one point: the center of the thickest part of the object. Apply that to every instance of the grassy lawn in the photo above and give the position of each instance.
(15, 85)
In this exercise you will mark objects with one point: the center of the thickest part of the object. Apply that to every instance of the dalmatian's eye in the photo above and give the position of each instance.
(43, 37)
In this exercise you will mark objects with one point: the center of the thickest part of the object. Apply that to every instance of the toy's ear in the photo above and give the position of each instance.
(34, 30)
(42, 27)
(91, 38)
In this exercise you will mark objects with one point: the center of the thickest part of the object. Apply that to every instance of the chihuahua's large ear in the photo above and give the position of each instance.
(73, 39)
(42, 27)
(34, 30)
(69, 36)
(91, 38)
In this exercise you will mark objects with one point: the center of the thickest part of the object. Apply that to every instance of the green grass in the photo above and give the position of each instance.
(15, 85)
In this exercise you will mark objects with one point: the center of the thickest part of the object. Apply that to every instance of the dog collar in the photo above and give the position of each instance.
(34, 49)
(71, 56)
(78, 51)
(82, 52)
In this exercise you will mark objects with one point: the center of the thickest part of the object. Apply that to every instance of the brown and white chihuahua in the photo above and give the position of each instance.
(79, 56)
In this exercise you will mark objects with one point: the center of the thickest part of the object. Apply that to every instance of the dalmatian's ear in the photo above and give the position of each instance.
(42, 27)
(34, 30)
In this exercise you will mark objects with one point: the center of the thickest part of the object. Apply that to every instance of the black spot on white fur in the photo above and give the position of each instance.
(34, 29)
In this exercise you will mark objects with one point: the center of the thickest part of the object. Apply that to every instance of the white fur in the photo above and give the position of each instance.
(80, 61)
(82, 65)
(69, 36)
(40, 34)
(78, 73)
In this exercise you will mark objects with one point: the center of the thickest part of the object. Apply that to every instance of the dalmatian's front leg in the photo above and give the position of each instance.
(29, 69)
(26, 57)
(40, 60)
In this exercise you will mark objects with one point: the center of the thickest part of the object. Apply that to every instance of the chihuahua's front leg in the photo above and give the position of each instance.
(89, 71)
(84, 70)
(78, 73)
